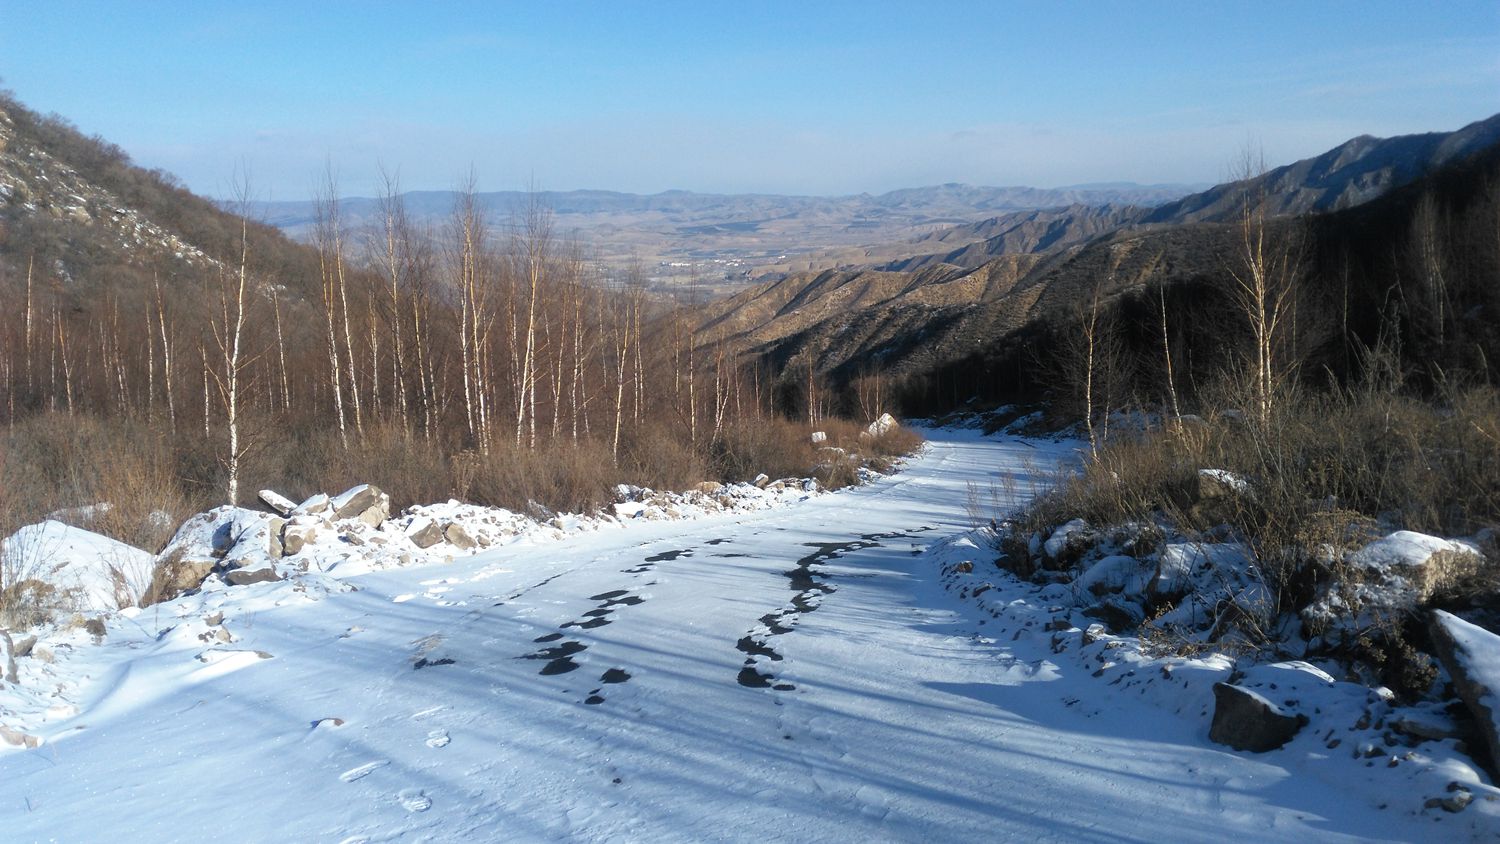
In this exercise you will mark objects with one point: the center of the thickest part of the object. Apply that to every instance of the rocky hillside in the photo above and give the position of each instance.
(85, 217)
(938, 315)
(1352, 173)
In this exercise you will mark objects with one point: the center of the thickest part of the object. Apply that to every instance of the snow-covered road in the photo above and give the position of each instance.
(795, 674)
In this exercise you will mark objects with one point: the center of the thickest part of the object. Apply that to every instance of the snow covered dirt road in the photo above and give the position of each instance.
(795, 674)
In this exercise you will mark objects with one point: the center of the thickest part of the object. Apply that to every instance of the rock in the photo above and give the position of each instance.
(278, 543)
(245, 577)
(1118, 614)
(220, 533)
(364, 502)
(1423, 562)
(425, 533)
(173, 575)
(1093, 633)
(1218, 483)
(884, 425)
(1219, 496)
(299, 533)
(709, 487)
(819, 437)
(316, 505)
(458, 537)
(23, 646)
(214, 619)
(964, 567)
(1455, 802)
(1471, 655)
(9, 669)
(1068, 543)
(278, 502)
(1426, 726)
(18, 738)
(224, 636)
(1246, 721)
(761, 480)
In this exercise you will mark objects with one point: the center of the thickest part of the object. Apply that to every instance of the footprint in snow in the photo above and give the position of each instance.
(363, 770)
(414, 800)
(438, 738)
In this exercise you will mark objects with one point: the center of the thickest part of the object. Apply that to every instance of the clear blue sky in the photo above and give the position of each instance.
(808, 97)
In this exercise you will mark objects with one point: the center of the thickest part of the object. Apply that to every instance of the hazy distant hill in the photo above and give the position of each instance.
(1350, 174)
(736, 236)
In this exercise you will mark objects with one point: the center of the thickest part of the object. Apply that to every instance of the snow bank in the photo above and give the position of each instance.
(90, 573)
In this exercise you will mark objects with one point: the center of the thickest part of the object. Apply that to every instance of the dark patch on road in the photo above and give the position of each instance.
(424, 662)
(808, 588)
(560, 657)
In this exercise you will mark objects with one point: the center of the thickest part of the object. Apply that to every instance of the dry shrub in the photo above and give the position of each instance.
(1329, 473)
(409, 468)
(560, 476)
(897, 442)
(773, 446)
(654, 458)
(114, 477)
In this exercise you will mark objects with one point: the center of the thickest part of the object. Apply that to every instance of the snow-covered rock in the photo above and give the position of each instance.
(276, 501)
(364, 502)
(1472, 656)
(1246, 720)
(1068, 541)
(83, 571)
(1416, 558)
(884, 425)
(1394, 574)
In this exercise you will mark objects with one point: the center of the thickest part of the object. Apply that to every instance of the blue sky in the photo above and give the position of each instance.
(807, 97)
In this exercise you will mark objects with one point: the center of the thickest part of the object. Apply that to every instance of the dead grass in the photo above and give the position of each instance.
(1333, 471)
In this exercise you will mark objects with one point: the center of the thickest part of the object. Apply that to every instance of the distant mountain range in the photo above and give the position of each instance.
(736, 237)
(975, 288)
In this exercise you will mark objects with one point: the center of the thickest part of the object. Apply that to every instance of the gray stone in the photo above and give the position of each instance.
(1246, 721)
(761, 480)
(298, 534)
(365, 503)
(173, 575)
(1452, 639)
(278, 502)
(458, 537)
(317, 504)
(425, 534)
(276, 548)
(245, 577)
